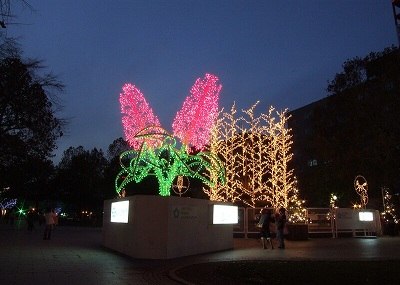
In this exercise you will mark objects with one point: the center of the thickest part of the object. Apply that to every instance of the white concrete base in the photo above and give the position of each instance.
(165, 227)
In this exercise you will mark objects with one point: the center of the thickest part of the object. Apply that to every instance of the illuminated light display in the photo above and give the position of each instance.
(361, 187)
(155, 151)
(166, 163)
(256, 153)
(297, 211)
(138, 115)
(285, 180)
(389, 209)
(193, 123)
(7, 203)
(332, 201)
(225, 142)
(181, 187)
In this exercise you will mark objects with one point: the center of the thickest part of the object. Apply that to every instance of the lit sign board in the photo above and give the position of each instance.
(365, 216)
(225, 214)
(119, 212)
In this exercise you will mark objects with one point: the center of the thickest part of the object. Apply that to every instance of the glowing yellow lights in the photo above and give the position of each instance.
(389, 209)
(332, 201)
(256, 151)
(361, 187)
(296, 209)
(181, 187)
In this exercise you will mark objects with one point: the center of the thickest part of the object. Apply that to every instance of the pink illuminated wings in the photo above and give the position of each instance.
(192, 124)
(194, 121)
(138, 114)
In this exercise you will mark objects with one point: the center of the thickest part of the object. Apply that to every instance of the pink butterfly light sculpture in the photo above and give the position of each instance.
(154, 150)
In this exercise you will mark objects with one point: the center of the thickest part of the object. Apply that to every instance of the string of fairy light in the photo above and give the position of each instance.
(361, 187)
(256, 153)
(296, 209)
(389, 209)
(6, 203)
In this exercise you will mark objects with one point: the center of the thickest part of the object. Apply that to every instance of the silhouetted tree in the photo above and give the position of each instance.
(29, 126)
(80, 178)
(117, 147)
(6, 14)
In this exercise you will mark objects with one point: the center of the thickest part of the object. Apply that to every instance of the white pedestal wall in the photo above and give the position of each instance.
(165, 227)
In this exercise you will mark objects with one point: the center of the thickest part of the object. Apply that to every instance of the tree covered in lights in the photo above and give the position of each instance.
(283, 177)
(390, 211)
(256, 151)
(226, 142)
(253, 157)
(297, 211)
(167, 156)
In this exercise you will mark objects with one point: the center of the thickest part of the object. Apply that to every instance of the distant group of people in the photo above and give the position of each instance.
(265, 222)
(50, 218)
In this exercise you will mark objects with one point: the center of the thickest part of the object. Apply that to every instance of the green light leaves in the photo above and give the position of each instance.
(165, 162)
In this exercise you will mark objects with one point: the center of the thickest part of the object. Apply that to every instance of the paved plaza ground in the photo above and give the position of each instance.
(75, 256)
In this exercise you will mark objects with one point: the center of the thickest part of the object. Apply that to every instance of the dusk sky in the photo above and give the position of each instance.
(279, 52)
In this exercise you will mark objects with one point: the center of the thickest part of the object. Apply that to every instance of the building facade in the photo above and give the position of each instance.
(354, 131)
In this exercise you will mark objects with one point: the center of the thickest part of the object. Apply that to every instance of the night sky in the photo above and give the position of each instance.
(279, 52)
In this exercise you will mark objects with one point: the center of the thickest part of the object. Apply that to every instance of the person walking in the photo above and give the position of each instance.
(281, 222)
(265, 221)
(49, 216)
